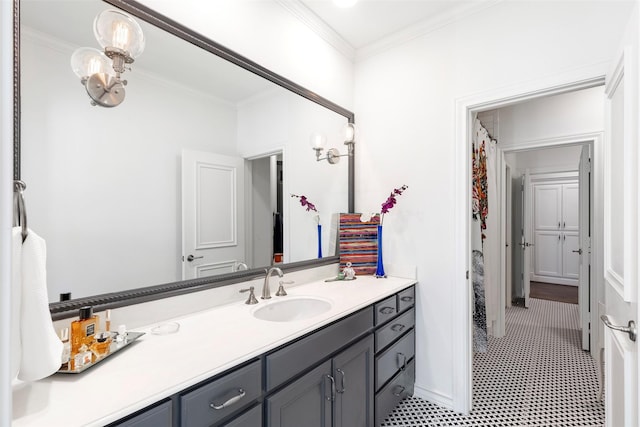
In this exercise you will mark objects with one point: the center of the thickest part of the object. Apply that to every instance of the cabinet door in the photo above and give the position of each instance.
(305, 402)
(570, 207)
(353, 374)
(158, 416)
(548, 246)
(570, 259)
(547, 199)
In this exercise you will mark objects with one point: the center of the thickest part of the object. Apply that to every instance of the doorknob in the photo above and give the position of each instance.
(630, 329)
(579, 251)
(191, 257)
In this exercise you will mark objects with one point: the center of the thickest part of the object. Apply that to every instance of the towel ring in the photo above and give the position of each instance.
(19, 209)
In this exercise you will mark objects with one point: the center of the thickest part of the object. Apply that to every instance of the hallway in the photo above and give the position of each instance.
(537, 375)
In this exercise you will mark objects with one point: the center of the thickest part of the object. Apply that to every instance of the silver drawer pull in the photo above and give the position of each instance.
(406, 299)
(398, 327)
(342, 380)
(630, 329)
(387, 310)
(333, 389)
(402, 361)
(399, 393)
(233, 400)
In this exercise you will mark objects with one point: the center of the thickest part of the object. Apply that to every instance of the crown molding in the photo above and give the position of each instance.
(423, 28)
(318, 26)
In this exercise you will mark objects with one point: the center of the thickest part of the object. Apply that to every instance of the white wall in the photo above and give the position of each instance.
(268, 34)
(560, 158)
(146, 246)
(559, 115)
(405, 106)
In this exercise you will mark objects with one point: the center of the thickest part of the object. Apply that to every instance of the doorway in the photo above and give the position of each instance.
(467, 109)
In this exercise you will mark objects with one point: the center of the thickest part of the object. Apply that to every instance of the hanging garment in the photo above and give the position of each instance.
(479, 314)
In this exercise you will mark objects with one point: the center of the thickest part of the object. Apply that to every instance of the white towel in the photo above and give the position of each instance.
(16, 298)
(41, 349)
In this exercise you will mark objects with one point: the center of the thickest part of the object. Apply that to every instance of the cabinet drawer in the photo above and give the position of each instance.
(385, 310)
(251, 418)
(394, 358)
(398, 388)
(394, 329)
(229, 393)
(292, 359)
(158, 416)
(406, 298)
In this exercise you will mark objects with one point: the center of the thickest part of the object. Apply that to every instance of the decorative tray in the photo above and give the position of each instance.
(115, 347)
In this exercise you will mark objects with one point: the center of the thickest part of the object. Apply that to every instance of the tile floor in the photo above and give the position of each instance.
(537, 375)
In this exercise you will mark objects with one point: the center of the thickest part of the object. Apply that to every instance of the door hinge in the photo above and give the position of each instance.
(467, 274)
(589, 329)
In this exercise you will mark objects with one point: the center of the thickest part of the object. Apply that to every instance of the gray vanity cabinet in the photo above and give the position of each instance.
(351, 373)
(337, 393)
(157, 416)
(353, 376)
(305, 402)
(395, 350)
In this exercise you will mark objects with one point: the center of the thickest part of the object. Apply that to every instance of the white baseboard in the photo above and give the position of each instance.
(433, 397)
(555, 280)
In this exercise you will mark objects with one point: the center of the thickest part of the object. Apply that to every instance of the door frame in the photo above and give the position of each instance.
(465, 109)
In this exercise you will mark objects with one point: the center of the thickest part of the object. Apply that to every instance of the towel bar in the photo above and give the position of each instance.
(19, 209)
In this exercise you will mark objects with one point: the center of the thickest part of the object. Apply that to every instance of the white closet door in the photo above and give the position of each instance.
(570, 207)
(548, 254)
(547, 201)
(570, 259)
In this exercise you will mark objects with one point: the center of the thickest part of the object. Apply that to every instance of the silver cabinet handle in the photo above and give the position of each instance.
(342, 380)
(630, 329)
(333, 389)
(579, 251)
(387, 310)
(403, 365)
(191, 257)
(399, 393)
(398, 327)
(406, 299)
(558, 225)
(234, 399)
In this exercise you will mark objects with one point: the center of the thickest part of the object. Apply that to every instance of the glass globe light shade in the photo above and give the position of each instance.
(349, 132)
(317, 140)
(86, 61)
(116, 29)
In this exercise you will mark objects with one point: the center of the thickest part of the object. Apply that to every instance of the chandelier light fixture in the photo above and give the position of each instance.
(100, 72)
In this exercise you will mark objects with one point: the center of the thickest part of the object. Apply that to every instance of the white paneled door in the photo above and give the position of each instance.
(621, 235)
(212, 213)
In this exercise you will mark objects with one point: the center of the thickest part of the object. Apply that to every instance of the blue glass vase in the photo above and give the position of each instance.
(380, 266)
(319, 241)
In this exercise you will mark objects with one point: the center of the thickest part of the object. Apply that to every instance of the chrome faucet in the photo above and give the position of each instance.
(266, 292)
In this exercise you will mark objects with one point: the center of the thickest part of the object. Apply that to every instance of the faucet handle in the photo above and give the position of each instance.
(252, 298)
(281, 292)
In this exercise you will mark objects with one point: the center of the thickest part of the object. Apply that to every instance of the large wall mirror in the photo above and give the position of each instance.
(124, 195)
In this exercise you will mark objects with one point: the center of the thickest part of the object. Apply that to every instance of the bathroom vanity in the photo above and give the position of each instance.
(347, 366)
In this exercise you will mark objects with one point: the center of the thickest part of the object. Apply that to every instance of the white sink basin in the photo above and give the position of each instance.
(290, 308)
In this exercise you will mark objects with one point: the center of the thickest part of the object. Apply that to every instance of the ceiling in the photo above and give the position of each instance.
(371, 21)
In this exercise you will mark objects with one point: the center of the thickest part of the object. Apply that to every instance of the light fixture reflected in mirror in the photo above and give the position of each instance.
(319, 141)
(122, 39)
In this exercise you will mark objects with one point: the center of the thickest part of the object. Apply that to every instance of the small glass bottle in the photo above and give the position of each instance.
(83, 330)
(100, 347)
(66, 349)
(82, 357)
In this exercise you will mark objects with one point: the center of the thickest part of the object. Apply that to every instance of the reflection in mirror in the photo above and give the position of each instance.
(200, 160)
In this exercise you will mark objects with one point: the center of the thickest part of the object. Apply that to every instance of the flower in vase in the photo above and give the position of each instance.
(305, 203)
(391, 201)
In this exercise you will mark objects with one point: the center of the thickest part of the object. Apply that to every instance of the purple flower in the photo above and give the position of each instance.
(391, 201)
(306, 203)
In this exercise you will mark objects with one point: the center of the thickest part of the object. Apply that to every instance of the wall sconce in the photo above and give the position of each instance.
(318, 142)
(122, 39)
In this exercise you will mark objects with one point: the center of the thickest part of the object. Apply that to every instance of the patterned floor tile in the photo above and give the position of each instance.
(537, 375)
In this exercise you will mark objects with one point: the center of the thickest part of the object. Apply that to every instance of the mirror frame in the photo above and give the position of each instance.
(62, 310)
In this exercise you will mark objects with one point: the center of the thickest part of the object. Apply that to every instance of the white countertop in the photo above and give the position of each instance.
(157, 366)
